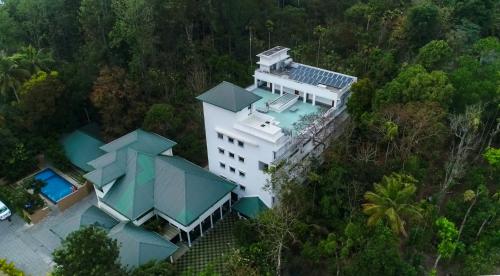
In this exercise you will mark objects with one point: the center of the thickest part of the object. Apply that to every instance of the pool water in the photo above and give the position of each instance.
(56, 188)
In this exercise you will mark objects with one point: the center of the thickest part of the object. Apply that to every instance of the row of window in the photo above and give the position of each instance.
(230, 139)
(232, 169)
(240, 158)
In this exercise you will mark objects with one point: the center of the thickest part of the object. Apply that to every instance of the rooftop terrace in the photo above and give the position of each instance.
(289, 116)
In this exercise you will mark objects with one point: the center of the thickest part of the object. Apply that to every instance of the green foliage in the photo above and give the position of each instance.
(423, 23)
(153, 268)
(10, 269)
(392, 200)
(447, 233)
(414, 83)
(162, 119)
(87, 251)
(361, 100)
(434, 54)
(19, 162)
(492, 155)
(43, 103)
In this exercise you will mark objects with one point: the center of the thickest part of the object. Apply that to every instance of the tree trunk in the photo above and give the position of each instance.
(467, 215)
(15, 94)
(482, 226)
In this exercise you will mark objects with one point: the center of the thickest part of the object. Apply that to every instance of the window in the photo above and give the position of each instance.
(242, 174)
(222, 165)
(242, 187)
(231, 155)
(263, 166)
(220, 135)
(241, 144)
(241, 159)
(231, 169)
(230, 140)
(221, 151)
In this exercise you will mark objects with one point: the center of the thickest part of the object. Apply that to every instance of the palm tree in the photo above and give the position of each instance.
(392, 200)
(11, 76)
(32, 59)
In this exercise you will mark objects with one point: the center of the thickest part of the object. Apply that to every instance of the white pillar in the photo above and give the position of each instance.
(256, 82)
(201, 230)
(189, 239)
(211, 221)
(281, 90)
(272, 88)
(314, 99)
(305, 97)
(180, 233)
(171, 259)
(229, 203)
(220, 209)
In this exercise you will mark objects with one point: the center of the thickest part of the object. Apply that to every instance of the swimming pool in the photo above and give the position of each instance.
(57, 187)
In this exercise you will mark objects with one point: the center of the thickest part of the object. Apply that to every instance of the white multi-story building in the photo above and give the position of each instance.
(248, 130)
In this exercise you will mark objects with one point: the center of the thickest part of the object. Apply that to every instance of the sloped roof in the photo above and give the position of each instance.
(132, 194)
(139, 246)
(109, 167)
(80, 147)
(249, 206)
(184, 191)
(141, 140)
(229, 96)
(97, 217)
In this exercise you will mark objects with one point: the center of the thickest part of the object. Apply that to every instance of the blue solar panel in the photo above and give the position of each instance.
(315, 76)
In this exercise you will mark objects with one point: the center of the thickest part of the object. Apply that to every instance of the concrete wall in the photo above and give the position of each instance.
(74, 197)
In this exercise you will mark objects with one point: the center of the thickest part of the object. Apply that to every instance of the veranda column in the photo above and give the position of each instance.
(305, 97)
(314, 99)
(189, 239)
(220, 209)
(272, 88)
(281, 90)
(201, 230)
(211, 221)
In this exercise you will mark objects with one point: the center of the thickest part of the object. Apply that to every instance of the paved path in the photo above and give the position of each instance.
(209, 250)
(30, 246)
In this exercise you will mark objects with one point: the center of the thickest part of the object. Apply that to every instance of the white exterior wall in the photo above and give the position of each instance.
(103, 206)
(261, 150)
(201, 218)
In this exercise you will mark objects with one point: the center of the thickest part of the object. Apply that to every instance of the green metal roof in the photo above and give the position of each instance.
(81, 147)
(141, 140)
(139, 246)
(184, 191)
(249, 206)
(229, 96)
(145, 180)
(97, 217)
(132, 194)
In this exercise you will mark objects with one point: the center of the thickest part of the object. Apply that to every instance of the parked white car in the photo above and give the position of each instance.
(4, 211)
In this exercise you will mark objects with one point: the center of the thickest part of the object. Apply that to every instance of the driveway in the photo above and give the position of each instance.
(30, 246)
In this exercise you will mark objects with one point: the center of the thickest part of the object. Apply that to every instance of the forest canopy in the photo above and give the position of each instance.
(410, 188)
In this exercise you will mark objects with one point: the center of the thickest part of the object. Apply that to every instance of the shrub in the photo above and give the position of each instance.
(9, 268)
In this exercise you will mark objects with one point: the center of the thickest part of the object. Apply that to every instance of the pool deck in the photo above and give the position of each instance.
(286, 118)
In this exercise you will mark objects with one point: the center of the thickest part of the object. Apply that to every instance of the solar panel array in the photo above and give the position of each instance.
(272, 51)
(316, 76)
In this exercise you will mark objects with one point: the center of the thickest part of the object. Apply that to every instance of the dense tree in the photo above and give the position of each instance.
(119, 101)
(87, 251)
(161, 118)
(434, 54)
(42, 103)
(11, 76)
(414, 83)
(392, 200)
